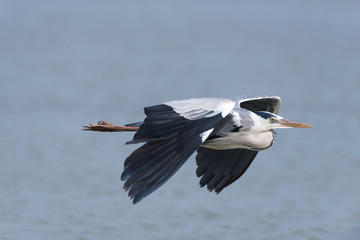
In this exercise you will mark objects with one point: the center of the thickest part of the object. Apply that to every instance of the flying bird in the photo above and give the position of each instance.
(227, 134)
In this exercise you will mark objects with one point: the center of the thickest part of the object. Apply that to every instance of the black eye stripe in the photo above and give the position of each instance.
(266, 115)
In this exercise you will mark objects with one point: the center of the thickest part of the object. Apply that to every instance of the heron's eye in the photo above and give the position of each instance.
(272, 120)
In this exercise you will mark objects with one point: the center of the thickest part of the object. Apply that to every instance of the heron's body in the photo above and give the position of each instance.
(239, 131)
(226, 133)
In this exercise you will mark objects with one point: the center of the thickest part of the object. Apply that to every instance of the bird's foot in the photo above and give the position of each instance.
(101, 126)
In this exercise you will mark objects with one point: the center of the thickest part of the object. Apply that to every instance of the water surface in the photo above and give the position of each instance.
(66, 63)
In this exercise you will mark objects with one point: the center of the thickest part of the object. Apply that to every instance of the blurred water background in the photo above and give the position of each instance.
(68, 63)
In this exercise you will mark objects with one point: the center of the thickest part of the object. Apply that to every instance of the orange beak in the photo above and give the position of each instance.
(292, 124)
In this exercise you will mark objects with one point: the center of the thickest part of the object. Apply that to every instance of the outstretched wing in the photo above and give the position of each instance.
(260, 103)
(220, 168)
(172, 132)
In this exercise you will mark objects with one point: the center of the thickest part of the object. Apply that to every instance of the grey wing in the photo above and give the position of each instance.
(220, 168)
(172, 132)
(259, 103)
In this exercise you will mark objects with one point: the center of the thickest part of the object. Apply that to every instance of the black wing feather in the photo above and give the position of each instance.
(268, 104)
(171, 139)
(220, 168)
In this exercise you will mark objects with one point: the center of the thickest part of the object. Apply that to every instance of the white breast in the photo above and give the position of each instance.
(243, 140)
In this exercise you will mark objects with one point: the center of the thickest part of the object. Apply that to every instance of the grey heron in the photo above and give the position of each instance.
(226, 133)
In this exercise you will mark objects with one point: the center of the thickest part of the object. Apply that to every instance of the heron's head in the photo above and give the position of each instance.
(271, 121)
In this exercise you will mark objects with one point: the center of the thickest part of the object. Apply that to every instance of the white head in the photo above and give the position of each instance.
(272, 121)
